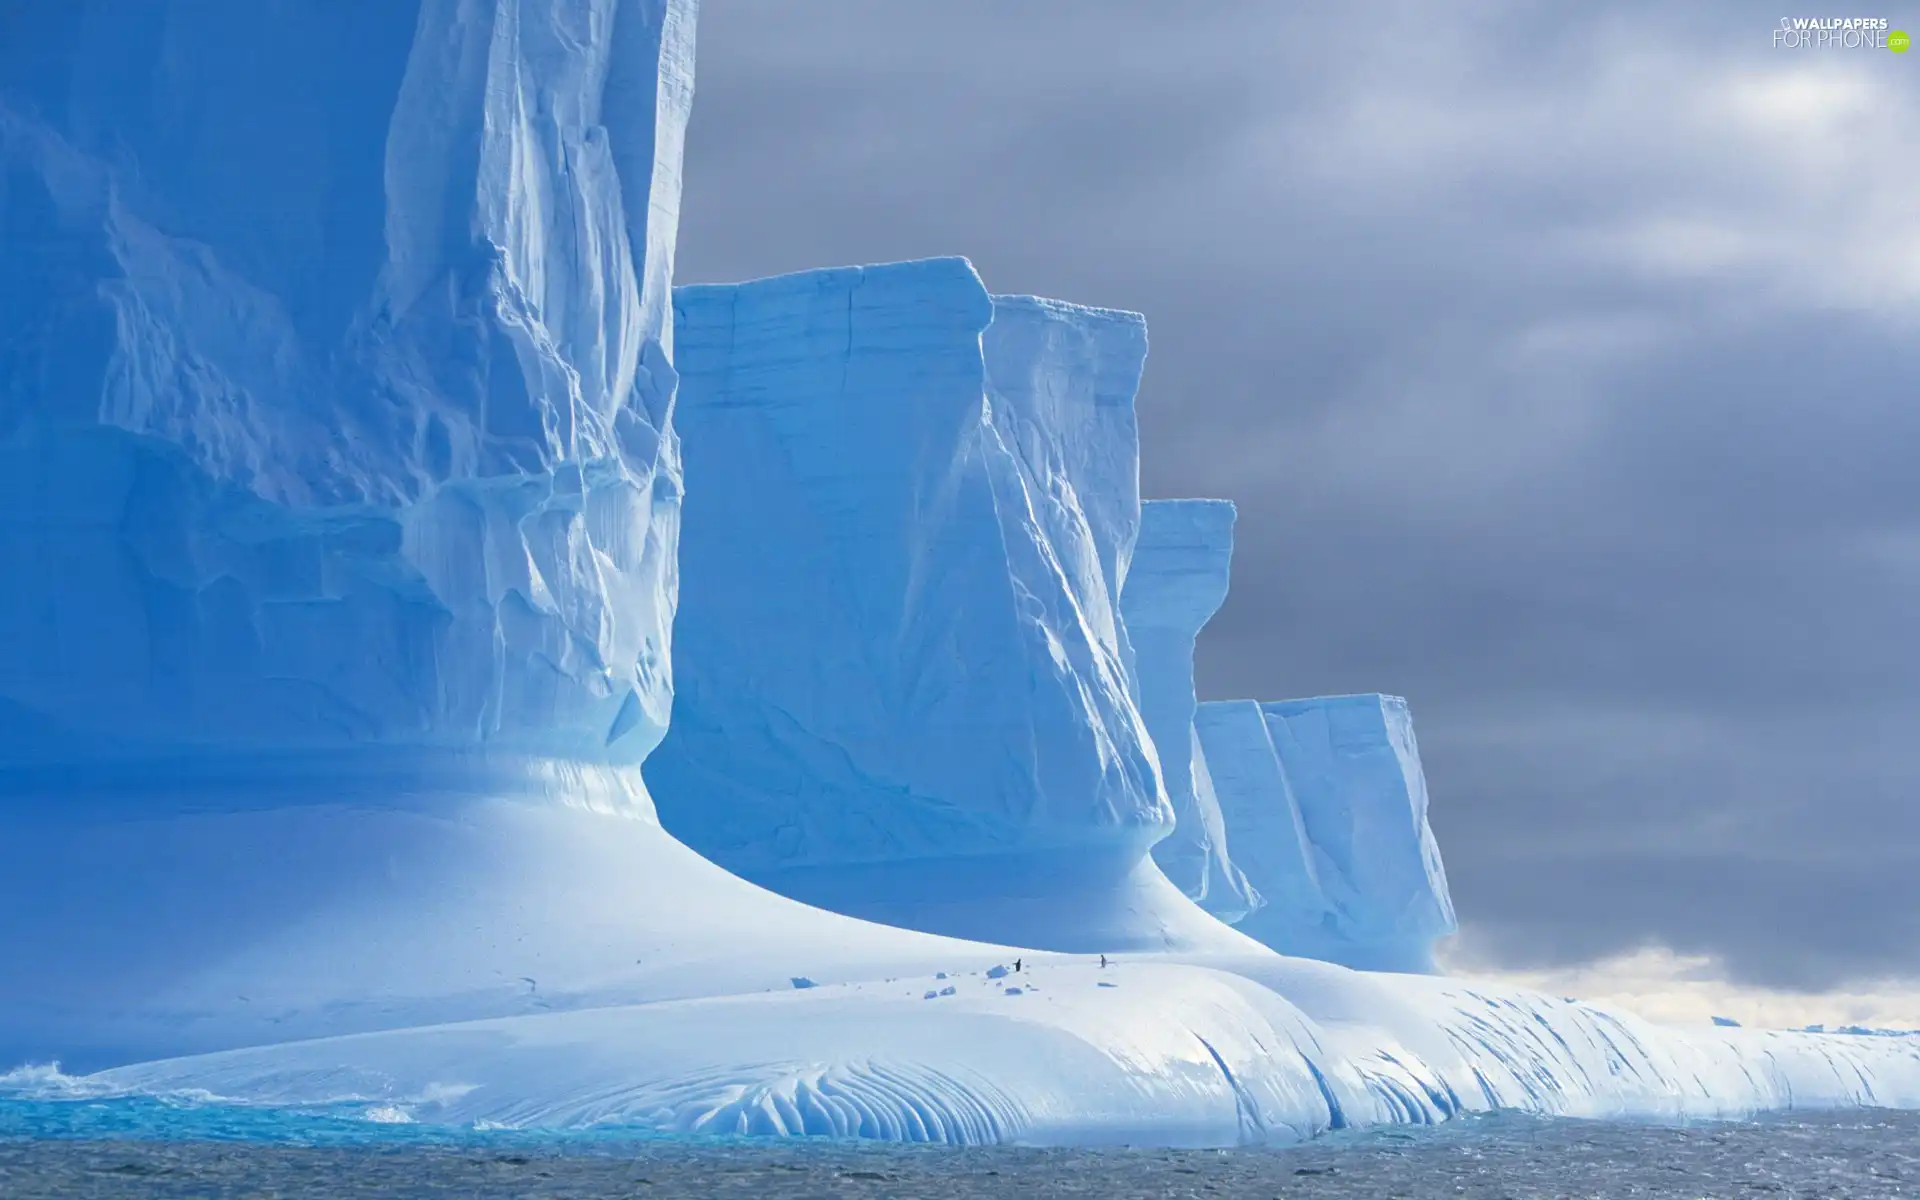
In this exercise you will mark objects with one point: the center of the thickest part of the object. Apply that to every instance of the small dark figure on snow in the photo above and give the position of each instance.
(1016, 966)
(1103, 962)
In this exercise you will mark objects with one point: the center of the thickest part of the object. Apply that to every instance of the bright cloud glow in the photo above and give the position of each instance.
(1687, 989)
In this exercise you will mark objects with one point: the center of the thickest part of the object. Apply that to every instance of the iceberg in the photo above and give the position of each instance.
(352, 605)
(1270, 841)
(1324, 800)
(1355, 772)
(1328, 805)
(337, 379)
(1176, 582)
(903, 680)
(336, 469)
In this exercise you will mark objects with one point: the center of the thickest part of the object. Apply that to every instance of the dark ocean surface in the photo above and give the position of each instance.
(125, 1147)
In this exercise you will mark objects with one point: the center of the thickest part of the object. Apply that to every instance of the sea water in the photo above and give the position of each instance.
(177, 1147)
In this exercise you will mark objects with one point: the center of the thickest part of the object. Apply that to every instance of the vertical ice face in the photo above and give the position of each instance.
(1327, 806)
(1176, 582)
(1355, 771)
(334, 395)
(910, 506)
(1256, 802)
(338, 500)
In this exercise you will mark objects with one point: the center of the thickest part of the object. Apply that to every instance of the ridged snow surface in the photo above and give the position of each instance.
(339, 494)
(1176, 582)
(903, 680)
(1328, 807)
(1065, 1053)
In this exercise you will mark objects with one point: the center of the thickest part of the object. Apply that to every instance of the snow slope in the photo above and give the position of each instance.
(267, 911)
(1066, 1053)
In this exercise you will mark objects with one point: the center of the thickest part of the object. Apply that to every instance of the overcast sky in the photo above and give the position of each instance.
(1562, 365)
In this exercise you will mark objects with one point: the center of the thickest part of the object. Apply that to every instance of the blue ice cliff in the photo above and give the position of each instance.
(862, 443)
(1302, 822)
(1176, 582)
(340, 490)
(1270, 841)
(1328, 807)
(336, 378)
(334, 443)
(904, 685)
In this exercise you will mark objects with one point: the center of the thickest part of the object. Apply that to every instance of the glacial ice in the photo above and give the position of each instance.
(1175, 583)
(1328, 804)
(1302, 822)
(1270, 842)
(336, 377)
(336, 465)
(903, 682)
(1355, 771)
(339, 500)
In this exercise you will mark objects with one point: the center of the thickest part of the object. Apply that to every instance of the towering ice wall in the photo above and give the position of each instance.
(1270, 840)
(338, 498)
(334, 389)
(1303, 822)
(1327, 804)
(1177, 581)
(903, 681)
